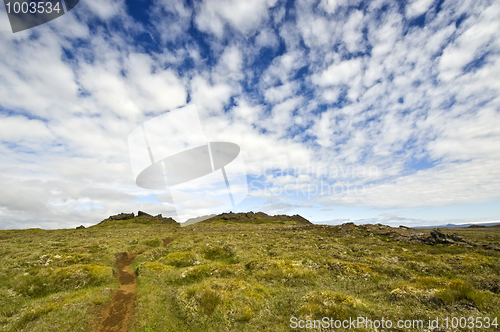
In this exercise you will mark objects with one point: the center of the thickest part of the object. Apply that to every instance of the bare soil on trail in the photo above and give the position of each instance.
(167, 241)
(119, 312)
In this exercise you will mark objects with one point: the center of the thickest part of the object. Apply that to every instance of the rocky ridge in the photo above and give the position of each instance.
(140, 216)
(251, 217)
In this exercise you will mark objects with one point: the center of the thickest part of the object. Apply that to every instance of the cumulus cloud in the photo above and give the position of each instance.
(418, 7)
(212, 16)
(210, 97)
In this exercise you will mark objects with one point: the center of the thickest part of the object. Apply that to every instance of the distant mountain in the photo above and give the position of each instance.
(485, 224)
(191, 221)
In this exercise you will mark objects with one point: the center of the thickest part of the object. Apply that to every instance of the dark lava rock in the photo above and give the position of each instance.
(347, 227)
(120, 216)
(141, 216)
(250, 217)
(299, 218)
(438, 237)
(144, 214)
(158, 218)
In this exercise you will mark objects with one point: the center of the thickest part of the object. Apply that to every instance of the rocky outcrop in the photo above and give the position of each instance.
(141, 216)
(300, 219)
(80, 227)
(408, 235)
(437, 236)
(121, 216)
(158, 218)
(251, 217)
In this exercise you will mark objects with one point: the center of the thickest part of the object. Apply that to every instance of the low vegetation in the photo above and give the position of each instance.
(244, 276)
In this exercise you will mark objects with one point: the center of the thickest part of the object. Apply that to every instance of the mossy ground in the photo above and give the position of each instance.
(241, 277)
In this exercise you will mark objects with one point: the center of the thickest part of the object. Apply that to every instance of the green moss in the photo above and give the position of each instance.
(289, 272)
(228, 301)
(42, 282)
(180, 259)
(460, 290)
(153, 243)
(226, 254)
(155, 266)
(324, 303)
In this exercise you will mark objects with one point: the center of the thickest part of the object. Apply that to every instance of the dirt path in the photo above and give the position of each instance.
(118, 314)
(167, 241)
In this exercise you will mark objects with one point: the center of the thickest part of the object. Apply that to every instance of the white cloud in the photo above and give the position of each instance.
(281, 115)
(340, 73)
(384, 36)
(105, 10)
(109, 89)
(330, 6)
(20, 128)
(479, 37)
(283, 68)
(266, 37)
(244, 16)
(353, 35)
(468, 182)
(24, 75)
(316, 31)
(279, 93)
(172, 18)
(418, 7)
(154, 88)
(210, 97)
(244, 112)
(230, 65)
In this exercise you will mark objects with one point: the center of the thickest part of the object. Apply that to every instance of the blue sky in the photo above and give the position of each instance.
(380, 111)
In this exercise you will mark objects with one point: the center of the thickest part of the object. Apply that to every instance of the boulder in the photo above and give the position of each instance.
(163, 220)
(81, 227)
(120, 216)
(144, 214)
(300, 219)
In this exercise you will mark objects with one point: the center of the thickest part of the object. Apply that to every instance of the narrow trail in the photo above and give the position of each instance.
(167, 241)
(118, 314)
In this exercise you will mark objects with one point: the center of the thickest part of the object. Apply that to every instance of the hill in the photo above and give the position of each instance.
(257, 218)
(235, 273)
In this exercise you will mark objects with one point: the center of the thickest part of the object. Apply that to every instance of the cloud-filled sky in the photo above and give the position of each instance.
(377, 111)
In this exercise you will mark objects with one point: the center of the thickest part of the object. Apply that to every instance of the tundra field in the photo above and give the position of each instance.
(243, 272)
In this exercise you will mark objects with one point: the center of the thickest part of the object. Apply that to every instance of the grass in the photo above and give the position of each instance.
(222, 276)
